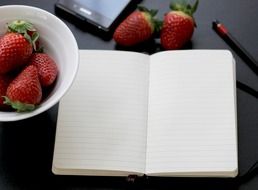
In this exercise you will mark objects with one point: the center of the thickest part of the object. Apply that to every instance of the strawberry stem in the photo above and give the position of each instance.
(34, 38)
(19, 106)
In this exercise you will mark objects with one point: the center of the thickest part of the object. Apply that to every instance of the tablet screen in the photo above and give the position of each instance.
(109, 8)
(98, 12)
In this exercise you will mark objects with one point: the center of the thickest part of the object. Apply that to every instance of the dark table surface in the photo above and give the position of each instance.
(26, 147)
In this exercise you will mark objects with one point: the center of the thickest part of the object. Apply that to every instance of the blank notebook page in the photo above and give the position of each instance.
(192, 118)
(102, 120)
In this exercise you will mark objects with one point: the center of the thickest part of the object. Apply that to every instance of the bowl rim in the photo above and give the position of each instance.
(24, 115)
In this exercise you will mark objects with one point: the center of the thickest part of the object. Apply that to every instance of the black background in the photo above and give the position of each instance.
(26, 147)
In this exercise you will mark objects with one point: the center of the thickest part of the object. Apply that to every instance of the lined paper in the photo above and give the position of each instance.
(169, 114)
(102, 119)
(191, 114)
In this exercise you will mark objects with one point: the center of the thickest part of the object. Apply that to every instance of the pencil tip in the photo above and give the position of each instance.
(215, 23)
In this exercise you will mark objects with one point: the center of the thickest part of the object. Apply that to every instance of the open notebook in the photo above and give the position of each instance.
(169, 114)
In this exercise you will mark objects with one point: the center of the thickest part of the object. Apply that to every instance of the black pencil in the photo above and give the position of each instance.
(235, 45)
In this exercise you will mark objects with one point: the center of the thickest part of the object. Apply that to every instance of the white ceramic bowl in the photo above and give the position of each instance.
(57, 40)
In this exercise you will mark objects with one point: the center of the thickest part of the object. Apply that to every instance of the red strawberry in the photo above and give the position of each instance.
(15, 51)
(24, 92)
(16, 45)
(178, 25)
(4, 83)
(47, 68)
(137, 27)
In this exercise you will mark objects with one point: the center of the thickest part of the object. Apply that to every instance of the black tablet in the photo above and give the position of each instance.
(101, 13)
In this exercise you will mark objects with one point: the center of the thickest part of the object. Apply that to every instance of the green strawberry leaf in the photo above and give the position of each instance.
(23, 27)
(157, 25)
(142, 8)
(195, 6)
(152, 12)
(178, 5)
(19, 106)
(182, 5)
(150, 17)
(29, 27)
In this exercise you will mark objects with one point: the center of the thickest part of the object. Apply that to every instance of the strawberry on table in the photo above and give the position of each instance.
(47, 68)
(178, 25)
(137, 27)
(24, 92)
(16, 46)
